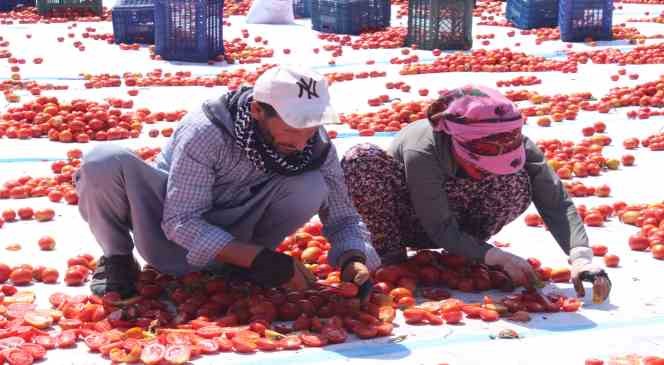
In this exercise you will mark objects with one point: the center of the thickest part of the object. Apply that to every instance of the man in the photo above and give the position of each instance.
(239, 174)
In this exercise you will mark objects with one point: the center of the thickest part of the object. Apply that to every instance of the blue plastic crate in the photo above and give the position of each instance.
(189, 30)
(528, 14)
(133, 21)
(9, 5)
(302, 8)
(349, 16)
(582, 19)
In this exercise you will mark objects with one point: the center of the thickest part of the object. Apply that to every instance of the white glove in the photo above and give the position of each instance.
(518, 269)
(583, 269)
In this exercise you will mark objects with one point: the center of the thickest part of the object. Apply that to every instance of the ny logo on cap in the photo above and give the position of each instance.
(309, 87)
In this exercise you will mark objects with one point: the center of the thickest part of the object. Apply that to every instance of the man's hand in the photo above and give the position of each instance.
(355, 272)
(583, 269)
(302, 278)
(518, 269)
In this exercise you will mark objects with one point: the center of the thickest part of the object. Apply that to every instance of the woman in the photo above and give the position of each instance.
(455, 180)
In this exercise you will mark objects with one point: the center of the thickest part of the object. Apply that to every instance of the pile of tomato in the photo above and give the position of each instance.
(78, 120)
(214, 314)
(482, 60)
(650, 219)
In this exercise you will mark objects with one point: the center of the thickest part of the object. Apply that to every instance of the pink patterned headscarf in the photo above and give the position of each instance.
(477, 113)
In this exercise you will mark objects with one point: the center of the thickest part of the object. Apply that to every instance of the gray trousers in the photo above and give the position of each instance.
(121, 194)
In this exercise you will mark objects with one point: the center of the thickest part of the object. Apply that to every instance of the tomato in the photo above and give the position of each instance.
(334, 334)
(611, 260)
(225, 345)
(534, 307)
(265, 344)
(452, 317)
(657, 251)
(38, 320)
(594, 362)
(210, 331)
(414, 315)
(21, 276)
(488, 315)
(95, 341)
(599, 250)
(290, 343)
(313, 340)
(57, 299)
(384, 329)
(366, 331)
(433, 319)
(472, 311)
(571, 305)
(66, 339)
(638, 243)
(561, 275)
(153, 353)
(177, 354)
(386, 314)
(47, 342)
(11, 342)
(37, 351)
(244, 346)
(535, 263)
(18, 357)
(347, 290)
(207, 346)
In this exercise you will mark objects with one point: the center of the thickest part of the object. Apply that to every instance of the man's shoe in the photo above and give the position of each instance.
(115, 274)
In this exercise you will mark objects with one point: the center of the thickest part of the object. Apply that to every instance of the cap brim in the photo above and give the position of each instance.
(327, 116)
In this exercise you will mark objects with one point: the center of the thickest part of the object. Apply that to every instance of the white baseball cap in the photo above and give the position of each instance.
(299, 95)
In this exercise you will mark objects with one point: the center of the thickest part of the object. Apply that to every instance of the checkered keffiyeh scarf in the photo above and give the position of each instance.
(262, 154)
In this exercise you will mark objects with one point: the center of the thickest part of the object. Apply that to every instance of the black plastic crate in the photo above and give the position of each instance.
(189, 30)
(528, 14)
(302, 8)
(46, 7)
(583, 19)
(133, 21)
(440, 24)
(349, 16)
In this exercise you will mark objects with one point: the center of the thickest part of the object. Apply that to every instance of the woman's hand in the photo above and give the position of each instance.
(518, 269)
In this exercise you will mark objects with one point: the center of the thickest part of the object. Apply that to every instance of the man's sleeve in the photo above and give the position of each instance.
(189, 196)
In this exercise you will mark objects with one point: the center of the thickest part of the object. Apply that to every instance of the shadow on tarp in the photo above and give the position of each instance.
(378, 349)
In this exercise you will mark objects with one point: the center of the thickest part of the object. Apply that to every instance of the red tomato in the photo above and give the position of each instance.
(334, 334)
(571, 305)
(594, 362)
(489, 315)
(472, 311)
(242, 345)
(207, 346)
(153, 353)
(611, 260)
(414, 315)
(313, 339)
(599, 250)
(225, 345)
(95, 341)
(66, 339)
(37, 351)
(47, 342)
(17, 356)
(452, 317)
(177, 354)
(290, 343)
(265, 344)
(210, 331)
